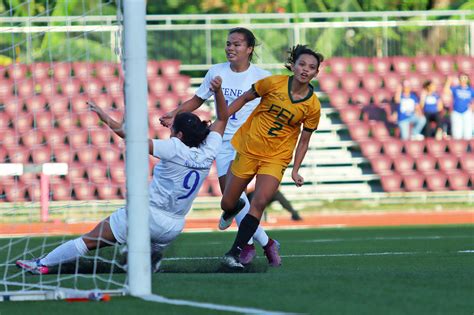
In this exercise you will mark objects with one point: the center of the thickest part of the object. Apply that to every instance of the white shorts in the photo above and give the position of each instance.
(164, 227)
(225, 156)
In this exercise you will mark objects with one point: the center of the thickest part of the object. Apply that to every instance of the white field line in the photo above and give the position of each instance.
(210, 306)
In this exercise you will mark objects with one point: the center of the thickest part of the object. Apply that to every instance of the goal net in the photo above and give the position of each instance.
(61, 170)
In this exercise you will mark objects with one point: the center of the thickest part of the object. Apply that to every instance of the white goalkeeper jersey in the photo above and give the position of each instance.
(234, 84)
(179, 174)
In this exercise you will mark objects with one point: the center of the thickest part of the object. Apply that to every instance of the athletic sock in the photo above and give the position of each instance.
(238, 207)
(66, 252)
(246, 229)
(260, 236)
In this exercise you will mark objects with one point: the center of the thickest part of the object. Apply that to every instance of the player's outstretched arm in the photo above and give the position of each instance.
(221, 106)
(248, 96)
(116, 126)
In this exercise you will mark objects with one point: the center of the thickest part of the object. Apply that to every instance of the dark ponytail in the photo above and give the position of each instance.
(193, 129)
(296, 51)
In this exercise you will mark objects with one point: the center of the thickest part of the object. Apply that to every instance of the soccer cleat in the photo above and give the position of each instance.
(226, 219)
(271, 250)
(232, 262)
(33, 266)
(247, 254)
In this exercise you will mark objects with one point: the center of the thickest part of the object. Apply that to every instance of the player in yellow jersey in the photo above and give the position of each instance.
(265, 143)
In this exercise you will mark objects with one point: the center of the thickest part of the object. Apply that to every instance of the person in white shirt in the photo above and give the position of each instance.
(185, 161)
(238, 75)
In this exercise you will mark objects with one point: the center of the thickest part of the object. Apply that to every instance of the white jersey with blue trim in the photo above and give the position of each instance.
(234, 84)
(179, 174)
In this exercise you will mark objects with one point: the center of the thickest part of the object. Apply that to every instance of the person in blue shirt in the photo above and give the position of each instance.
(408, 115)
(461, 114)
(432, 105)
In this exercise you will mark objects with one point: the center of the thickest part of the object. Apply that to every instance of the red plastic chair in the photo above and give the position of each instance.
(41, 155)
(110, 155)
(105, 70)
(444, 64)
(76, 173)
(152, 69)
(62, 71)
(359, 131)
(467, 163)
(4, 121)
(100, 137)
(84, 191)
(62, 154)
(370, 148)
(391, 182)
(169, 68)
(59, 106)
(48, 88)
(3, 154)
(87, 155)
(339, 99)
(114, 87)
(158, 86)
(79, 104)
(328, 83)
(414, 148)
(436, 181)
(19, 154)
(382, 96)
(108, 192)
(360, 65)
(25, 88)
(381, 165)
(10, 139)
(424, 65)
(380, 131)
(104, 101)
(40, 71)
(404, 164)
(393, 148)
(61, 191)
(350, 82)
(465, 64)
(67, 122)
(458, 147)
(425, 164)
(168, 101)
(17, 71)
(15, 192)
(372, 82)
(360, 97)
(117, 172)
(180, 84)
(35, 103)
(402, 65)
(350, 114)
(82, 70)
(70, 87)
(89, 120)
(414, 182)
(391, 81)
(448, 163)
(416, 82)
(435, 147)
(458, 180)
(6, 89)
(33, 191)
(338, 65)
(97, 174)
(32, 138)
(92, 87)
(77, 138)
(381, 65)
(55, 138)
(23, 122)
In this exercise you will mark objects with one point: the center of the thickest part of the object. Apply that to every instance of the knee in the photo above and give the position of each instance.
(227, 204)
(259, 203)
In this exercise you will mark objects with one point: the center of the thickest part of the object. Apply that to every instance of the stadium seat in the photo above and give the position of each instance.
(33, 191)
(62, 191)
(10, 139)
(416, 82)
(360, 97)
(104, 101)
(87, 155)
(350, 82)
(4, 121)
(84, 191)
(436, 181)
(467, 163)
(22, 122)
(438, 79)
(359, 131)
(108, 191)
(370, 148)
(19, 154)
(39, 71)
(32, 138)
(6, 89)
(67, 122)
(3, 154)
(100, 137)
(436, 147)
(391, 182)
(89, 120)
(448, 163)
(79, 103)
(152, 69)
(393, 148)
(360, 65)
(77, 138)
(168, 101)
(402, 65)
(62, 71)
(55, 137)
(180, 84)
(381, 65)
(98, 173)
(381, 165)
(36, 103)
(25, 88)
(82, 70)
(350, 114)
(92, 87)
(458, 180)
(105, 70)
(169, 68)
(15, 192)
(338, 65)
(70, 87)
(444, 65)
(380, 131)
(117, 172)
(404, 164)
(119, 102)
(58, 106)
(109, 155)
(339, 99)
(153, 104)
(465, 64)
(328, 83)
(158, 86)
(114, 87)
(76, 173)
(41, 155)
(414, 148)
(372, 82)
(17, 71)
(382, 96)
(48, 88)
(62, 153)
(413, 182)
(458, 147)
(425, 164)
(424, 65)
(391, 81)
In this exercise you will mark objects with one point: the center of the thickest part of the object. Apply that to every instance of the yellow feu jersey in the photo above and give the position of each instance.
(271, 131)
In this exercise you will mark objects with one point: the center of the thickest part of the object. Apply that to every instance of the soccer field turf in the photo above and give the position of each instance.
(408, 270)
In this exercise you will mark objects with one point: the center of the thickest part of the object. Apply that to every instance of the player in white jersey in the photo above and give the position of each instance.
(185, 161)
(238, 75)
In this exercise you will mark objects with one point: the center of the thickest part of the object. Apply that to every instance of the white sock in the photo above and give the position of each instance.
(66, 252)
(260, 235)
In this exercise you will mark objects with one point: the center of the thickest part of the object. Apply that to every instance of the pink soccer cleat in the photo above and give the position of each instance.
(247, 254)
(33, 266)
(271, 250)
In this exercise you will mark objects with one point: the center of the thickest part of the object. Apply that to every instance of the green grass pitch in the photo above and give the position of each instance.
(409, 270)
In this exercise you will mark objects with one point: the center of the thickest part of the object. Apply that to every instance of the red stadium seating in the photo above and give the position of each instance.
(79, 103)
(350, 114)
(402, 65)
(100, 137)
(70, 87)
(32, 138)
(105, 70)
(10, 139)
(465, 64)
(338, 65)
(108, 191)
(33, 191)
(40, 71)
(158, 86)
(458, 147)
(180, 84)
(110, 155)
(82, 70)
(370, 148)
(25, 88)
(89, 120)
(67, 122)
(35, 103)
(360, 97)
(43, 121)
(62, 71)
(436, 181)
(76, 173)
(168, 101)
(58, 106)
(92, 87)
(19, 154)
(416, 82)
(436, 147)
(381, 65)
(458, 180)
(381, 165)
(328, 83)
(448, 163)
(372, 82)
(77, 138)
(104, 101)
(3, 154)
(55, 137)
(41, 155)
(467, 163)
(6, 89)
(413, 182)
(339, 99)
(382, 96)
(391, 182)
(23, 122)
(117, 172)
(17, 71)
(152, 68)
(62, 153)
(350, 82)
(169, 68)
(114, 87)
(414, 148)
(380, 131)
(98, 173)
(4, 121)
(360, 65)
(15, 192)
(87, 155)
(425, 164)
(359, 131)
(393, 148)
(84, 191)
(391, 81)
(61, 191)
(444, 64)
(424, 65)
(404, 164)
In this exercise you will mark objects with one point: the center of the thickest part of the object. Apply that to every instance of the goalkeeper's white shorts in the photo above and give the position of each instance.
(164, 228)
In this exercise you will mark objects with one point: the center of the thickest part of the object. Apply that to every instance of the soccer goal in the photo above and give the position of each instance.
(61, 170)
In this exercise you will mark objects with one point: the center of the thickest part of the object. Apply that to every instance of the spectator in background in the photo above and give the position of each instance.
(432, 105)
(461, 114)
(408, 113)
